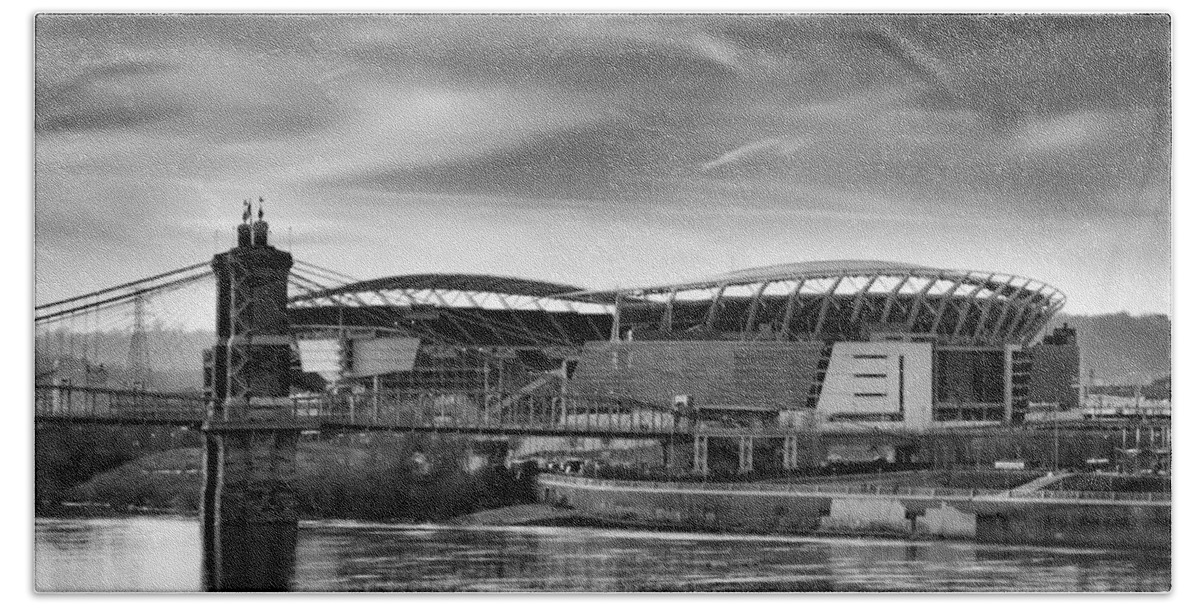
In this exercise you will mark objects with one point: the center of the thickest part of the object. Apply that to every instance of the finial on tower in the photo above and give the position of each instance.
(259, 228)
(245, 210)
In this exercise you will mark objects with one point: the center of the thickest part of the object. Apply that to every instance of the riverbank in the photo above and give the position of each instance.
(377, 479)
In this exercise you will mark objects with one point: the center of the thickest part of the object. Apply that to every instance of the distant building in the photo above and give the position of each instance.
(1054, 369)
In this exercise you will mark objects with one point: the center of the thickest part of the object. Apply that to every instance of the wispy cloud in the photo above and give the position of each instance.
(590, 125)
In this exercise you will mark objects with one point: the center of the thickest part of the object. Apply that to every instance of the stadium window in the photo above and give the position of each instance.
(870, 356)
(870, 394)
(870, 375)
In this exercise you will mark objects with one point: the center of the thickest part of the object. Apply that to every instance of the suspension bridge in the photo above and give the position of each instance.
(485, 367)
(72, 333)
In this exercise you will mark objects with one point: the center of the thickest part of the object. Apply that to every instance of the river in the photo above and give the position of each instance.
(164, 554)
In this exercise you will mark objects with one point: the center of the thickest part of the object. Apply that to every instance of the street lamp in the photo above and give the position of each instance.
(1056, 438)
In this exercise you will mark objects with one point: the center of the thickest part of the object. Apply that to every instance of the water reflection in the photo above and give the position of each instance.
(365, 558)
(156, 554)
(122, 554)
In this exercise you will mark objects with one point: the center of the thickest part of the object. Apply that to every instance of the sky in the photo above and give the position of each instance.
(610, 151)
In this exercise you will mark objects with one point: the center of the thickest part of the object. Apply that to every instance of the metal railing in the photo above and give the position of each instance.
(487, 410)
(482, 411)
(64, 401)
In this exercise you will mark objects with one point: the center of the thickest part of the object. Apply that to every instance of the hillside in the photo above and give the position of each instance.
(1122, 348)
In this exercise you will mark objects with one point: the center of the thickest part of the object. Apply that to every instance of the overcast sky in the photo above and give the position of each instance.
(606, 151)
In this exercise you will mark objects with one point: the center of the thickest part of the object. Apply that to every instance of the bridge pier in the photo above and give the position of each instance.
(249, 522)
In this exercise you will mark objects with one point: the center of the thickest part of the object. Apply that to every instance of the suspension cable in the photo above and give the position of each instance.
(333, 273)
(121, 286)
(368, 311)
(164, 287)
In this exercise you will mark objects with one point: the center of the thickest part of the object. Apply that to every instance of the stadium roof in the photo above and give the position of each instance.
(1004, 283)
(478, 283)
(835, 299)
(818, 268)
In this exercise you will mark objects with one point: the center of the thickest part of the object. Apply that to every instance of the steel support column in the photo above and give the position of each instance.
(711, 317)
(752, 314)
(789, 310)
(1022, 296)
(667, 319)
(791, 453)
(891, 299)
(920, 302)
(745, 454)
(946, 297)
(825, 307)
(983, 315)
(862, 296)
(700, 454)
(970, 302)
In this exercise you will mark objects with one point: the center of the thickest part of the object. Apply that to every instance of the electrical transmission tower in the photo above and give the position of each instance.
(139, 349)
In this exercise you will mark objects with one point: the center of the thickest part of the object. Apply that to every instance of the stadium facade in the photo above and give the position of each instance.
(819, 345)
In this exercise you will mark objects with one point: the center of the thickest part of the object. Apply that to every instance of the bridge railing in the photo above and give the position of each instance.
(408, 408)
(495, 410)
(65, 401)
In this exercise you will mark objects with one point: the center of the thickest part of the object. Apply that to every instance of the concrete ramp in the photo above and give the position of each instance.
(1041, 483)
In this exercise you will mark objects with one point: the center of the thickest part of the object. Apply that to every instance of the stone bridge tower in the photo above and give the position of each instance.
(249, 515)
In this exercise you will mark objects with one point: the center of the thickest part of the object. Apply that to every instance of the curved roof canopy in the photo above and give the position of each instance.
(841, 299)
(837, 299)
(1006, 284)
(464, 309)
(476, 283)
(817, 268)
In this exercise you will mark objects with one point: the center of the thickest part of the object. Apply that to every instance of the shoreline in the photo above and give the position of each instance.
(996, 517)
(571, 519)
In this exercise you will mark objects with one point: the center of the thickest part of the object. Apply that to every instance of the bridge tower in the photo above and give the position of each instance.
(249, 515)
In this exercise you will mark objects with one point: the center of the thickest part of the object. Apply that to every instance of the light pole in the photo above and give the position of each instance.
(1056, 437)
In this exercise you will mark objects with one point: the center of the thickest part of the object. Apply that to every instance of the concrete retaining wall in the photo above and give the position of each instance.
(1091, 525)
(762, 509)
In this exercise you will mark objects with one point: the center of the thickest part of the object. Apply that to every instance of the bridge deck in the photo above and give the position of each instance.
(479, 413)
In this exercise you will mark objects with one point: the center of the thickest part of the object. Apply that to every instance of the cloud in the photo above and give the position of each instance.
(799, 124)
(749, 150)
(604, 161)
(104, 97)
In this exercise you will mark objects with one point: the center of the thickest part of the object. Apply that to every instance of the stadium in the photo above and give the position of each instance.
(819, 345)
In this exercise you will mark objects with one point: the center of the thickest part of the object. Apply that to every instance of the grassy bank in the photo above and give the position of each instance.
(390, 478)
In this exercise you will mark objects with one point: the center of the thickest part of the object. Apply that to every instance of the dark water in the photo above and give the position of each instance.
(162, 554)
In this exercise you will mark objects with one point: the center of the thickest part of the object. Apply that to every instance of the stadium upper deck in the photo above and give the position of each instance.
(827, 300)
(842, 300)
